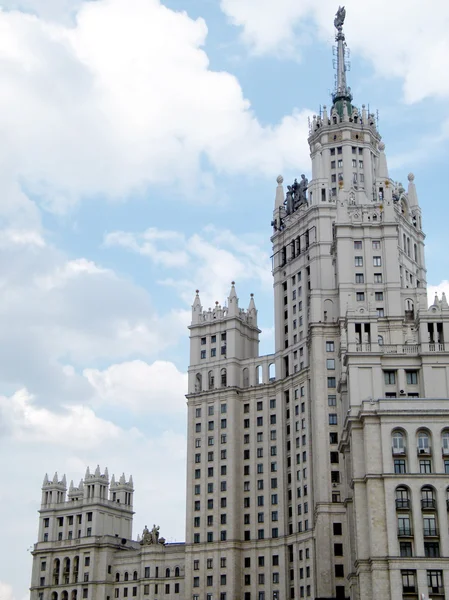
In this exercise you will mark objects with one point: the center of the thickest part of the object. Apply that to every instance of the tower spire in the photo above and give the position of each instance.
(342, 92)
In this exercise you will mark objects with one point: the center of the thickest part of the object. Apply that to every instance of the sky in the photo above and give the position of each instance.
(140, 145)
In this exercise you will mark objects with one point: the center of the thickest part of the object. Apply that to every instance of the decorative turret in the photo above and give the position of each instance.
(412, 195)
(382, 171)
(54, 491)
(96, 485)
(197, 309)
(76, 493)
(122, 492)
(252, 311)
(233, 302)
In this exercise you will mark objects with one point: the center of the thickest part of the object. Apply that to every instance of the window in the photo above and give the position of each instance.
(360, 296)
(359, 278)
(330, 364)
(330, 347)
(358, 245)
(435, 582)
(332, 400)
(412, 377)
(331, 382)
(377, 278)
(398, 442)
(405, 549)
(390, 377)
(400, 466)
(432, 549)
(203, 353)
(333, 419)
(376, 245)
(408, 581)
(377, 261)
(338, 549)
(335, 476)
(425, 466)
(337, 529)
(378, 296)
(358, 261)
(380, 312)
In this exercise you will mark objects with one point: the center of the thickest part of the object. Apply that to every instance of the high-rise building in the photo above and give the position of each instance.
(320, 471)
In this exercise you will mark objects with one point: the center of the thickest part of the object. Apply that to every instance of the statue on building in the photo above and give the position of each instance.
(146, 537)
(301, 191)
(289, 200)
(340, 17)
(296, 195)
(151, 537)
(155, 534)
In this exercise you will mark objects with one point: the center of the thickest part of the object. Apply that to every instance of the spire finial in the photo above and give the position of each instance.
(342, 92)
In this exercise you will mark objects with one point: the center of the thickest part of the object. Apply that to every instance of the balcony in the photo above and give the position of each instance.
(436, 590)
(402, 504)
(436, 347)
(424, 451)
(398, 451)
(404, 532)
(431, 532)
(428, 503)
(399, 349)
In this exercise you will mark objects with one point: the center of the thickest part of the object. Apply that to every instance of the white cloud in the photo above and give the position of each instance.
(402, 39)
(157, 388)
(6, 591)
(123, 99)
(74, 426)
(214, 258)
(57, 314)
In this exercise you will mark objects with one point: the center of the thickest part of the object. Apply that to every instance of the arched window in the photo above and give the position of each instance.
(380, 340)
(126, 576)
(428, 499)
(398, 442)
(56, 565)
(423, 442)
(198, 383)
(135, 576)
(224, 381)
(65, 595)
(74, 595)
(445, 442)
(211, 380)
(54, 596)
(167, 572)
(272, 372)
(402, 497)
(117, 577)
(259, 375)
(245, 377)
(177, 572)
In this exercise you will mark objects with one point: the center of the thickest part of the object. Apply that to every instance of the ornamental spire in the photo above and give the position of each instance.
(342, 91)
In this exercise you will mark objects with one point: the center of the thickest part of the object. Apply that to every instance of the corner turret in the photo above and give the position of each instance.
(233, 302)
(54, 491)
(197, 309)
(122, 491)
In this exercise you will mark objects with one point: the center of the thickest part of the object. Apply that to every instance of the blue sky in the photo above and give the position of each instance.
(140, 147)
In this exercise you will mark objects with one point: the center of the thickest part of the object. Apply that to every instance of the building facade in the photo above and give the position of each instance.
(320, 471)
